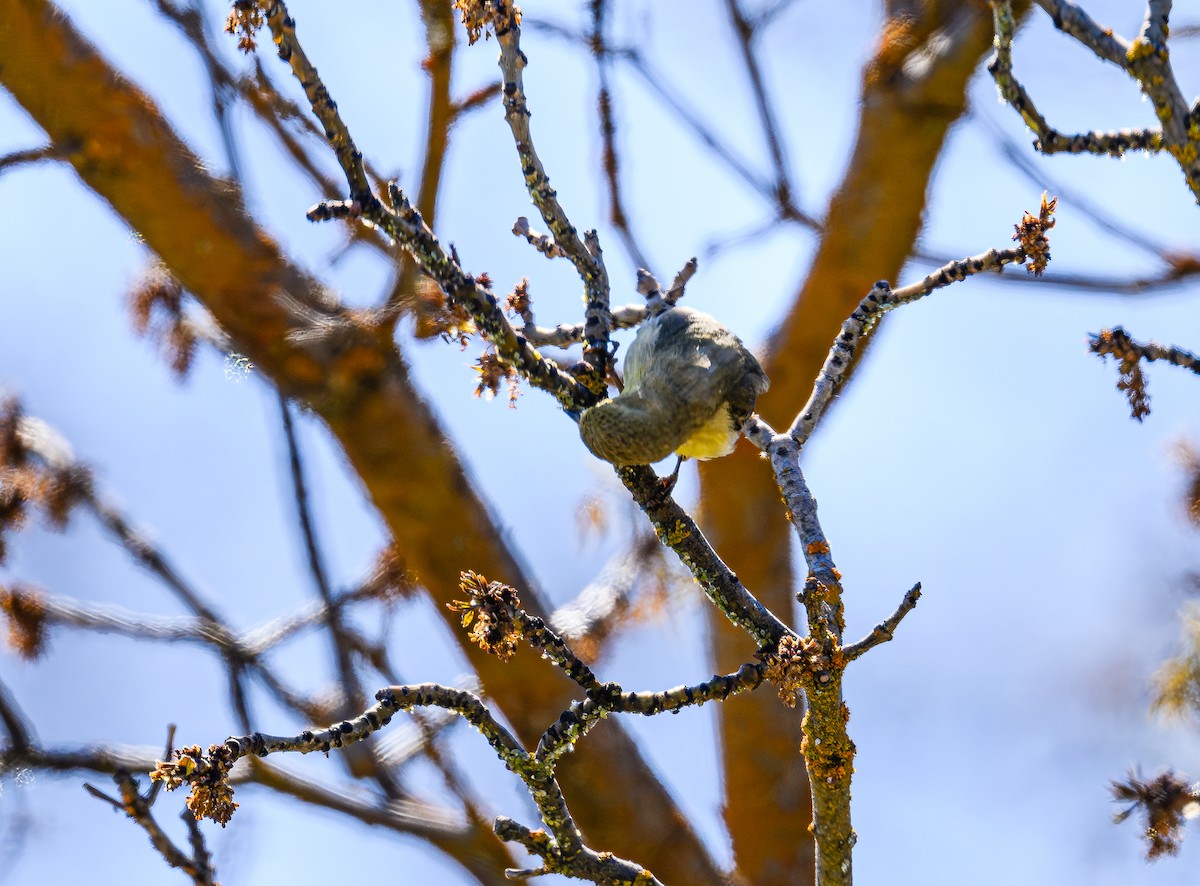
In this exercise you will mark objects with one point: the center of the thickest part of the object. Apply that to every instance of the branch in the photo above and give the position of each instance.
(816, 663)
(20, 740)
(1116, 343)
(608, 137)
(504, 19)
(882, 298)
(885, 630)
(206, 773)
(578, 720)
(913, 89)
(405, 224)
(29, 155)
(1146, 60)
(198, 865)
(348, 371)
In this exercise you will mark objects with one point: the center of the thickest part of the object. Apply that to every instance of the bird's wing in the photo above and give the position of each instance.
(708, 368)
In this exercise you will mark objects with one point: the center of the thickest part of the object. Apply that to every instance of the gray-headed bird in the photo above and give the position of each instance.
(690, 385)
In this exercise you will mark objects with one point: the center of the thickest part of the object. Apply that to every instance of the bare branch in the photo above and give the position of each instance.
(1146, 60)
(879, 301)
(19, 738)
(885, 630)
(27, 156)
(1128, 353)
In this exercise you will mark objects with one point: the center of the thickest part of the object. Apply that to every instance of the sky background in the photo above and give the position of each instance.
(980, 450)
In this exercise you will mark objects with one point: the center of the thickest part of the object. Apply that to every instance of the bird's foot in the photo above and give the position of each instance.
(666, 485)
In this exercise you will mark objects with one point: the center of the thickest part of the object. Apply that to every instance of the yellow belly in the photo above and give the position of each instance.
(714, 439)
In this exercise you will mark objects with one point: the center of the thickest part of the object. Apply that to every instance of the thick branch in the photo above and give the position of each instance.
(869, 231)
(352, 376)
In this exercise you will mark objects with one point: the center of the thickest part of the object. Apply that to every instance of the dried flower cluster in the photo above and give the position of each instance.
(208, 776)
(1031, 234)
(244, 22)
(156, 303)
(518, 301)
(490, 613)
(25, 609)
(1132, 382)
(1166, 801)
(788, 667)
(27, 480)
(478, 16)
(492, 372)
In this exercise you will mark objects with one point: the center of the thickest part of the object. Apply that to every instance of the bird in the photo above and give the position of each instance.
(690, 384)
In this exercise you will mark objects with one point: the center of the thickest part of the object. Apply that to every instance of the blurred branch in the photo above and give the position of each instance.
(437, 16)
(746, 31)
(107, 759)
(474, 848)
(282, 117)
(352, 690)
(608, 134)
(19, 738)
(1077, 200)
(771, 12)
(593, 618)
(349, 371)
(657, 82)
(193, 22)
(27, 156)
(198, 865)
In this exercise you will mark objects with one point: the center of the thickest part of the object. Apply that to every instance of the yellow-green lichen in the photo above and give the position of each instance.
(1140, 48)
(675, 534)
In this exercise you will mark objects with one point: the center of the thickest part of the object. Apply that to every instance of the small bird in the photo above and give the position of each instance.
(690, 385)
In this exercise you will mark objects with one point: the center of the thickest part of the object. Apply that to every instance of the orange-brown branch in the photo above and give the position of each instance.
(872, 223)
(350, 373)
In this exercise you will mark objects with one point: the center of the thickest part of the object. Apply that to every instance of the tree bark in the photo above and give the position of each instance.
(914, 89)
(351, 375)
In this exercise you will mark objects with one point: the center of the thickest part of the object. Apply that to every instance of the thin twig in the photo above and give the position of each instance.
(576, 721)
(885, 630)
(746, 30)
(881, 299)
(1128, 353)
(28, 155)
(608, 137)
(1146, 60)
(584, 253)
(352, 688)
(19, 737)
